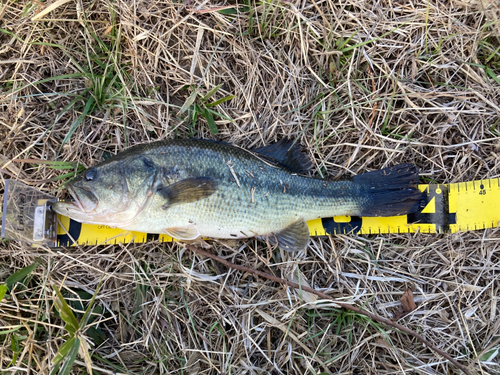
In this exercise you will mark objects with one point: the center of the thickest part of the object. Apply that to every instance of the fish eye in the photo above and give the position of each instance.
(90, 174)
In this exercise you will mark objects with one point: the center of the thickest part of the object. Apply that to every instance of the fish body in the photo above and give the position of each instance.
(189, 188)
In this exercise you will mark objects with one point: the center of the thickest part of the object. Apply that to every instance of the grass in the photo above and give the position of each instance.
(199, 106)
(361, 85)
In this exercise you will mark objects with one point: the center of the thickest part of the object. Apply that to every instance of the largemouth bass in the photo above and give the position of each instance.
(187, 188)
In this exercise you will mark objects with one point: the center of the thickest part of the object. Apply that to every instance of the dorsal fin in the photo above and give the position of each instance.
(288, 154)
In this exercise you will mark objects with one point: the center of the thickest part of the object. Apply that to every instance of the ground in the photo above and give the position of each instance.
(360, 84)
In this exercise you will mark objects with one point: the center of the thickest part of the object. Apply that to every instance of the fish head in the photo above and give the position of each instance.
(110, 193)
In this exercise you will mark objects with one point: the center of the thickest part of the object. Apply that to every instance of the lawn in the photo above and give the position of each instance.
(361, 85)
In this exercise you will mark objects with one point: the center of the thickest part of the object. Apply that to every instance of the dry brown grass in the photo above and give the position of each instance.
(420, 85)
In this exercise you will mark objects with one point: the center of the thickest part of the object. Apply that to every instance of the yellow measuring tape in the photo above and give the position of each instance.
(447, 208)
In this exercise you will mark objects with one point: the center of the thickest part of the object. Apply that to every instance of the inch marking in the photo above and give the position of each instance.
(483, 190)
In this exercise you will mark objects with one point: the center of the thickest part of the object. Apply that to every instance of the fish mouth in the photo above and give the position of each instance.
(83, 199)
(81, 208)
(75, 202)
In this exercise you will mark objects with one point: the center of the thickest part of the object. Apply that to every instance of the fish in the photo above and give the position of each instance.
(193, 188)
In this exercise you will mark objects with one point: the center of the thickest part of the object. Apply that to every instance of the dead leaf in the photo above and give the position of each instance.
(407, 304)
(407, 301)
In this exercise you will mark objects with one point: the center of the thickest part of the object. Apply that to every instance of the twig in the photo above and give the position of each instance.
(341, 304)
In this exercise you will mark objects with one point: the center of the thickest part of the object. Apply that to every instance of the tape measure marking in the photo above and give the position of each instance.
(72, 232)
(436, 209)
(152, 237)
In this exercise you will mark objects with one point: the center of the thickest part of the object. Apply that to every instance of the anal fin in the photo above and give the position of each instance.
(186, 233)
(295, 237)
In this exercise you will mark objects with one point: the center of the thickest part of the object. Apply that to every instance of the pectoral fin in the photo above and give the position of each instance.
(187, 233)
(295, 237)
(187, 191)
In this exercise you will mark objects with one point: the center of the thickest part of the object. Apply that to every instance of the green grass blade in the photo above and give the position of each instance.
(237, 9)
(59, 77)
(11, 330)
(490, 355)
(20, 275)
(217, 102)
(3, 291)
(86, 316)
(189, 102)
(64, 350)
(196, 112)
(218, 114)
(388, 111)
(491, 74)
(62, 165)
(487, 70)
(63, 176)
(49, 163)
(89, 106)
(71, 352)
(211, 122)
(211, 93)
(186, 305)
(65, 312)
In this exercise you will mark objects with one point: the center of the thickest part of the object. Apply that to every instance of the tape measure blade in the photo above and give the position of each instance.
(474, 205)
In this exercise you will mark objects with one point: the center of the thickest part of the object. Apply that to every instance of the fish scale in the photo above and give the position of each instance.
(188, 188)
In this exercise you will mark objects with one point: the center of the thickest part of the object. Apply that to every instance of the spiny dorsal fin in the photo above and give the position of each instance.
(187, 191)
(295, 237)
(288, 154)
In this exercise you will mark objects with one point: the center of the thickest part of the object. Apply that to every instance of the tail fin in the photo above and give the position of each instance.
(391, 191)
